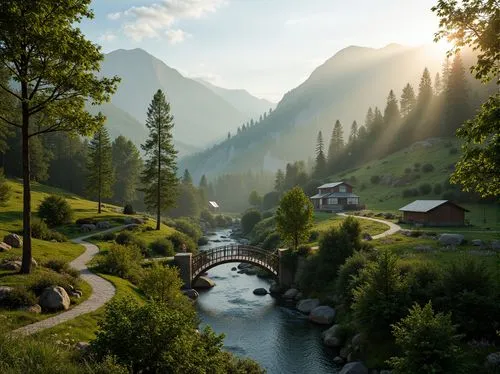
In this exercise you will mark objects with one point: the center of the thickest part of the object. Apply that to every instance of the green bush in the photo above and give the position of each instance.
(348, 278)
(127, 238)
(163, 247)
(424, 280)
(85, 221)
(17, 298)
(375, 179)
(223, 221)
(249, 220)
(428, 342)
(408, 171)
(416, 166)
(425, 188)
(179, 239)
(128, 209)
(62, 267)
(4, 189)
(202, 241)
(55, 211)
(108, 236)
(304, 250)
(43, 278)
(267, 214)
(123, 261)
(188, 227)
(206, 216)
(437, 189)
(427, 168)
(162, 284)
(40, 230)
(410, 192)
(313, 236)
(270, 200)
(272, 241)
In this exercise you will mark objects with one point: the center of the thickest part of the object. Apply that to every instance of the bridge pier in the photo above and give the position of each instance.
(285, 273)
(184, 261)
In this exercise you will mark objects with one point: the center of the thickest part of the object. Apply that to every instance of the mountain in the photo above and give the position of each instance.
(242, 100)
(200, 115)
(342, 88)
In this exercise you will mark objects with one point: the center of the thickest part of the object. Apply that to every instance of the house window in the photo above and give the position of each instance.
(342, 189)
(333, 201)
(352, 201)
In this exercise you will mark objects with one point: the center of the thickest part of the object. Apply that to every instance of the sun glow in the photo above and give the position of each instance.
(442, 47)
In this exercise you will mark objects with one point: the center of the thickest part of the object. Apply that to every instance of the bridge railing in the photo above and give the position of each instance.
(235, 252)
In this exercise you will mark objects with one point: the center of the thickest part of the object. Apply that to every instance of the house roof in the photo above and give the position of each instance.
(334, 184)
(318, 196)
(333, 194)
(213, 204)
(424, 206)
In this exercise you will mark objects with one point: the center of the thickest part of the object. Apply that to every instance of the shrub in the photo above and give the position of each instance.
(428, 343)
(179, 239)
(162, 283)
(17, 298)
(163, 247)
(202, 241)
(416, 166)
(55, 211)
(348, 277)
(272, 241)
(41, 279)
(128, 238)
(108, 236)
(313, 236)
(267, 214)
(223, 221)
(188, 227)
(123, 261)
(410, 192)
(249, 220)
(85, 221)
(304, 250)
(424, 282)
(206, 216)
(382, 299)
(270, 200)
(425, 188)
(40, 230)
(375, 179)
(62, 267)
(437, 189)
(453, 151)
(4, 189)
(427, 168)
(407, 171)
(128, 209)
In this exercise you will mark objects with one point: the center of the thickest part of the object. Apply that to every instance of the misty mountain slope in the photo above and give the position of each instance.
(200, 115)
(242, 100)
(342, 88)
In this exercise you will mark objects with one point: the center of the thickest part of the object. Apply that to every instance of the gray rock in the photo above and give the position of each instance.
(299, 296)
(36, 309)
(495, 244)
(87, 227)
(493, 360)
(331, 337)
(338, 361)
(323, 315)
(192, 294)
(5, 291)
(275, 288)
(102, 225)
(203, 283)
(307, 305)
(291, 293)
(354, 368)
(4, 247)
(451, 239)
(11, 265)
(385, 371)
(13, 240)
(260, 291)
(357, 340)
(344, 352)
(367, 237)
(423, 248)
(234, 269)
(477, 243)
(83, 346)
(54, 298)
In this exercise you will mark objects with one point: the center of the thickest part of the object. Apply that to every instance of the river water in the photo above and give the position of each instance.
(280, 339)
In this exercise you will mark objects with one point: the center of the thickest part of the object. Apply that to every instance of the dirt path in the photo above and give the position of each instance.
(102, 290)
(393, 228)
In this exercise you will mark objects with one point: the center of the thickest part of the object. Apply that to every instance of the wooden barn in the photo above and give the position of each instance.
(434, 213)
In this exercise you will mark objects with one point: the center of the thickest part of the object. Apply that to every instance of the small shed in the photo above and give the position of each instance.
(434, 213)
(213, 206)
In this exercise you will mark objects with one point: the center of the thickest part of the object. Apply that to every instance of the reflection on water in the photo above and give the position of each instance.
(281, 339)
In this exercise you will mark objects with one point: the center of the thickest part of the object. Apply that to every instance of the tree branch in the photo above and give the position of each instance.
(10, 122)
(10, 92)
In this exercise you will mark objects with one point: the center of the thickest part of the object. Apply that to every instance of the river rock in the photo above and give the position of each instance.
(323, 315)
(355, 367)
(13, 240)
(305, 306)
(88, 227)
(203, 283)
(338, 361)
(5, 291)
(357, 340)
(234, 268)
(477, 243)
(331, 337)
(192, 294)
(299, 296)
(451, 239)
(102, 225)
(493, 360)
(4, 247)
(260, 291)
(54, 298)
(290, 293)
(275, 288)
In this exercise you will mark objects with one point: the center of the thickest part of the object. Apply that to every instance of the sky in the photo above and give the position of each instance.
(267, 47)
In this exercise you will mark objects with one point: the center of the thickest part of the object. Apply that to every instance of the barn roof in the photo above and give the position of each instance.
(213, 204)
(331, 185)
(424, 206)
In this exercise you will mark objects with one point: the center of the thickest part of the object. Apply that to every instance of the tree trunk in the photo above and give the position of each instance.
(158, 187)
(99, 175)
(26, 262)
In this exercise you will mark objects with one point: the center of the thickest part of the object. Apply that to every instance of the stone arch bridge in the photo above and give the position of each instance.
(192, 266)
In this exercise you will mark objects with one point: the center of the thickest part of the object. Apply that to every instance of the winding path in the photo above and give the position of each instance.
(393, 228)
(102, 290)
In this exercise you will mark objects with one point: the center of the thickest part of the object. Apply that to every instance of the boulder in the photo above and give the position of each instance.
(355, 367)
(4, 247)
(495, 244)
(83, 346)
(338, 361)
(323, 315)
(275, 288)
(451, 239)
(13, 240)
(192, 294)
(290, 293)
(87, 227)
(493, 361)
(234, 268)
(299, 296)
(11, 265)
(4, 291)
(260, 291)
(477, 243)
(203, 283)
(35, 309)
(305, 306)
(102, 225)
(357, 340)
(54, 298)
(331, 337)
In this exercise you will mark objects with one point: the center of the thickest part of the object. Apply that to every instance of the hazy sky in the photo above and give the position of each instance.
(265, 46)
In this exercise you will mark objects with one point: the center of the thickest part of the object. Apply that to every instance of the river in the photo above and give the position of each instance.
(280, 339)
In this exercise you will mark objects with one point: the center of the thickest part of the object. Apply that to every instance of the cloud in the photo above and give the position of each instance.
(107, 37)
(176, 36)
(156, 19)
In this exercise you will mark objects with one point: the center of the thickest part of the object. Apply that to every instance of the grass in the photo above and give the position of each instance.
(324, 221)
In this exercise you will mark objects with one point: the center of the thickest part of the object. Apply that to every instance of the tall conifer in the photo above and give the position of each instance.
(320, 166)
(408, 100)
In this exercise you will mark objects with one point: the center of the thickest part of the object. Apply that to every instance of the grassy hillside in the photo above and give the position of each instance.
(381, 183)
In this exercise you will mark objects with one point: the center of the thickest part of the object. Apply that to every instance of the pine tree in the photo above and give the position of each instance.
(320, 166)
(424, 90)
(353, 136)
(336, 142)
(127, 164)
(391, 112)
(279, 182)
(438, 86)
(186, 178)
(456, 98)
(445, 73)
(369, 118)
(159, 175)
(100, 177)
(203, 181)
(408, 100)
(362, 133)
(378, 119)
